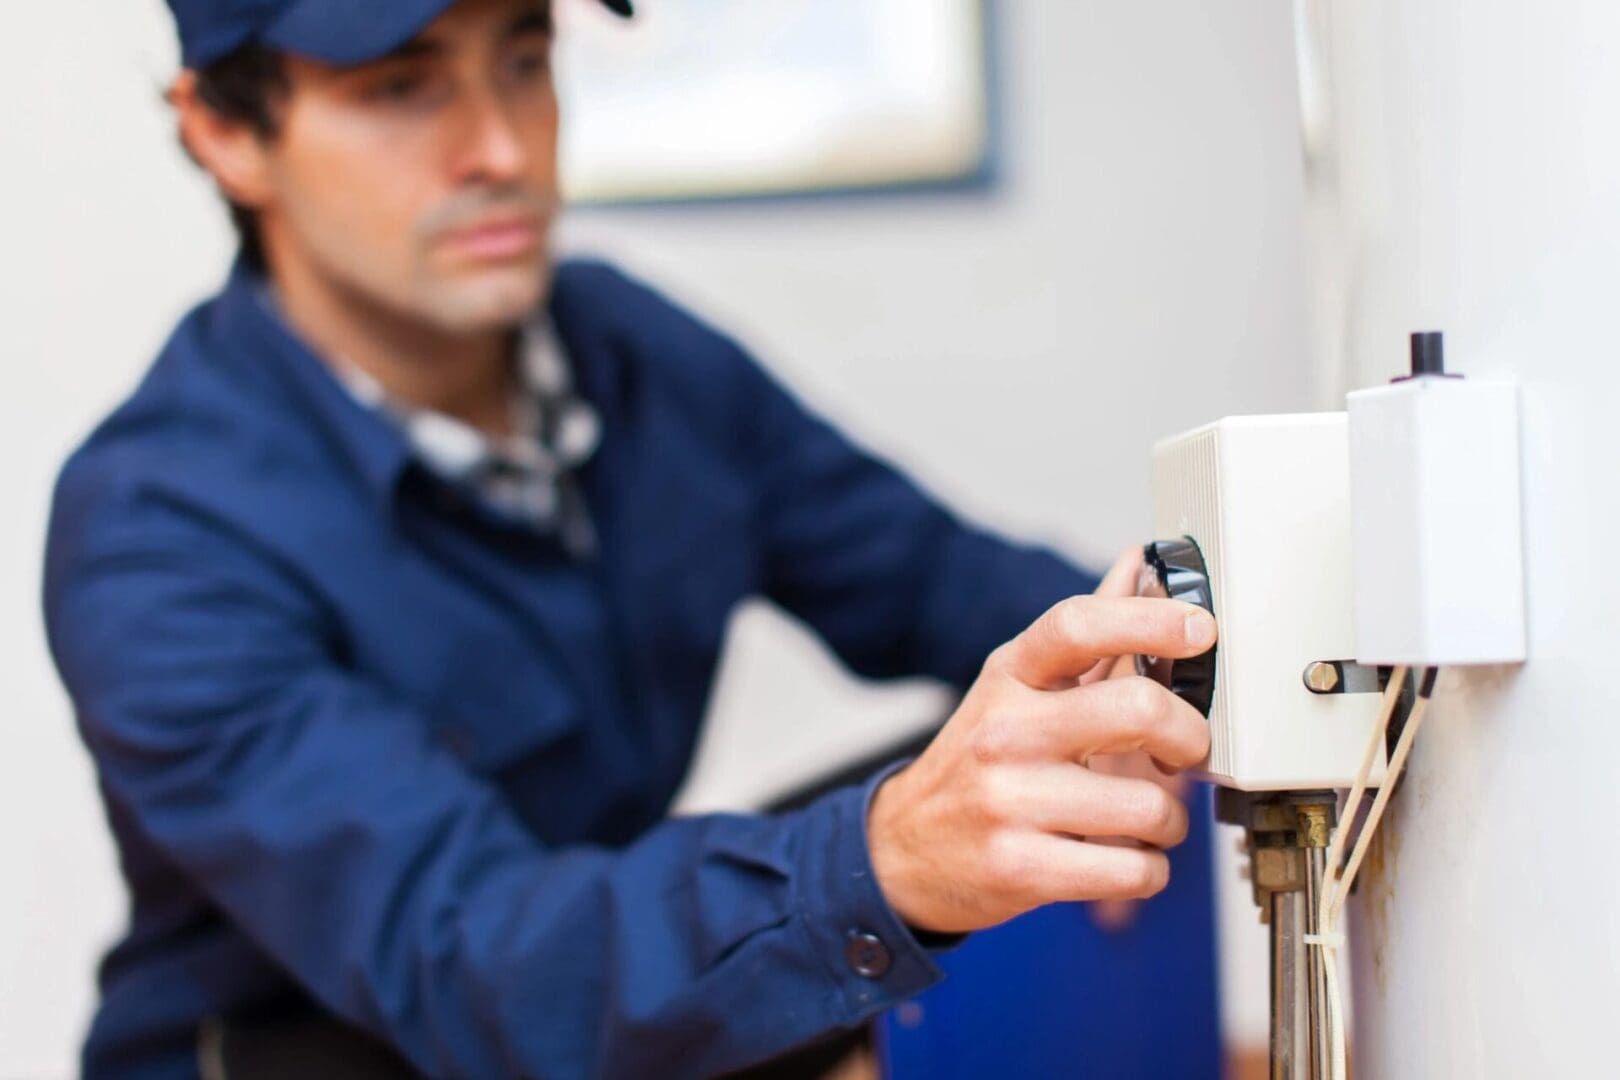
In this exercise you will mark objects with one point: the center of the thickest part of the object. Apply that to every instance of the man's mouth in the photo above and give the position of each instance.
(495, 239)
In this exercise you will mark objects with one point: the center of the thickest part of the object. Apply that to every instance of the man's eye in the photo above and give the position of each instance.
(528, 65)
(398, 88)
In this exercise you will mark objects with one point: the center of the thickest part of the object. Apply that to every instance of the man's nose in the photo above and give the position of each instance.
(493, 150)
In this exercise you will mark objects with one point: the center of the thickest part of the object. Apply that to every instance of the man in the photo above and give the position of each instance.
(390, 601)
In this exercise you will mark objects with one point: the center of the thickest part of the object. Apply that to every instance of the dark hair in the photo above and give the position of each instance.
(245, 85)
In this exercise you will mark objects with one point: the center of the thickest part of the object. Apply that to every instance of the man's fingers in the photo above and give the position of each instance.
(1110, 717)
(1121, 577)
(1142, 767)
(1117, 667)
(1113, 915)
(1120, 580)
(1139, 714)
(1072, 636)
(1054, 868)
(1069, 800)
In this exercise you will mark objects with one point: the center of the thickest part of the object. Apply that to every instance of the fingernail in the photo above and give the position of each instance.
(1200, 628)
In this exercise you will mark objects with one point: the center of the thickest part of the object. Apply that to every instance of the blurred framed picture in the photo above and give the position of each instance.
(717, 99)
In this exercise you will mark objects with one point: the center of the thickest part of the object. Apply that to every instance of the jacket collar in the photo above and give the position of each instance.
(250, 326)
(380, 452)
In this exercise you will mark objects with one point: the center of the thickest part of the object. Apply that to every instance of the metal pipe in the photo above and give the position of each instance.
(1290, 1016)
(1316, 970)
(1288, 834)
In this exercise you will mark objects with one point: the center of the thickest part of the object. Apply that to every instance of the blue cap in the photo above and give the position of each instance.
(341, 32)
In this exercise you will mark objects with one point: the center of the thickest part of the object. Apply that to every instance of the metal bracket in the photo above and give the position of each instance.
(1344, 677)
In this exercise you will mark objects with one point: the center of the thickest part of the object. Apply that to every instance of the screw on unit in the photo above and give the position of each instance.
(1321, 677)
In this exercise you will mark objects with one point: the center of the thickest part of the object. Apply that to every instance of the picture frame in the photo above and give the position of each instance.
(699, 100)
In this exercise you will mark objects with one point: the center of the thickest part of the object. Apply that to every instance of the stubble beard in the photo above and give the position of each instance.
(477, 300)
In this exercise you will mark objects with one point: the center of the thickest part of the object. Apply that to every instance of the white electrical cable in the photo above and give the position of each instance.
(1397, 763)
(1327, 936)
(1358, 787)
(1336, 887)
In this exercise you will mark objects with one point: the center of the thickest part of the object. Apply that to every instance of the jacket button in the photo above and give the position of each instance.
(866, 955)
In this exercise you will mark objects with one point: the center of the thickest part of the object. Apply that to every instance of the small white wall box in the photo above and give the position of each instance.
(1438, 549)
(1267, 501)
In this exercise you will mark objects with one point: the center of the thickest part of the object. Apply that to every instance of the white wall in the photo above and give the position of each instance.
(1136, 273)
(1469, 181)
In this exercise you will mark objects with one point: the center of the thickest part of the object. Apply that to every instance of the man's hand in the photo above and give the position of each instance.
(1117, 915)
(1000, 814)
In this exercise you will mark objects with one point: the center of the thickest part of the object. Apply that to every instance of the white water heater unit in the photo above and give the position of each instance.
(1266, 501)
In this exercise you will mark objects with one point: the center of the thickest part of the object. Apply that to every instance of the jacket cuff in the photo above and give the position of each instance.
(873, 960)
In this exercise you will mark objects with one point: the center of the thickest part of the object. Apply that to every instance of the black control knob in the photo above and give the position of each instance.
(1175, 569)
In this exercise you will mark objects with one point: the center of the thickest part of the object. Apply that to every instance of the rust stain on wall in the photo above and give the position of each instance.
(1378, 891)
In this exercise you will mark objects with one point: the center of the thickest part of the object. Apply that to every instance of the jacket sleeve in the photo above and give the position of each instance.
(894, 582)
(395, 885)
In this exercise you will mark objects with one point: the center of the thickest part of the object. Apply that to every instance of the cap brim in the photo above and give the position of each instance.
(345, 32)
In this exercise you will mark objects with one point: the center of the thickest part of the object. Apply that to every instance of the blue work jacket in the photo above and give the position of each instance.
(367, 744)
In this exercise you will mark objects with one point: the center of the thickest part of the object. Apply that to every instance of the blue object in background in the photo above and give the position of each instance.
(1052, 994)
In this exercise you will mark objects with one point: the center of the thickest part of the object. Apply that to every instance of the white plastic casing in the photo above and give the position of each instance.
(1267, 500)
(1437, 543)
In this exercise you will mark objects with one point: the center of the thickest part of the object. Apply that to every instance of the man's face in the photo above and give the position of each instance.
(424, 182)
